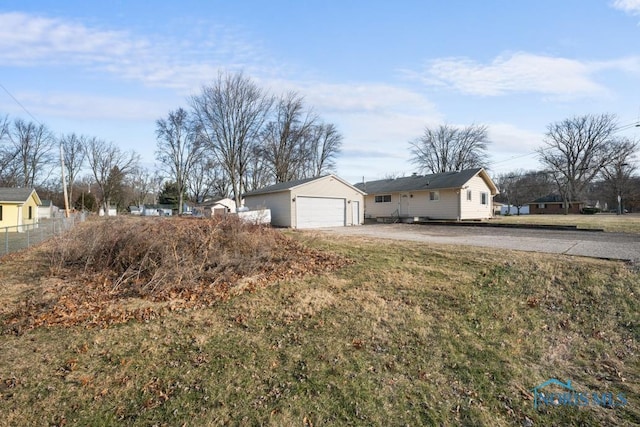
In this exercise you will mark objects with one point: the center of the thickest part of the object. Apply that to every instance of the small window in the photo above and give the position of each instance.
(541, 206)
(30, 212)
(469, 193)
(434, 195)
(484, 198)
(383, 199)
(0, 213)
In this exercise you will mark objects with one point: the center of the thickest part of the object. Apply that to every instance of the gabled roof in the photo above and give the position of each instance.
(287, 186)
(436, 181)
(17, 195)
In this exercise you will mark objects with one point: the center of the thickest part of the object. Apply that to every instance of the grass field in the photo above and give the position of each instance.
(407, 334)
(628, 223)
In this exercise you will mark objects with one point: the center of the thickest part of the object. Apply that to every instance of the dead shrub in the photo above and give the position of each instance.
(186, 261)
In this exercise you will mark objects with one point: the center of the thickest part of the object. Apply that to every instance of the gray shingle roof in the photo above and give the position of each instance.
(414, 183)
(15, 194)
(282, 186)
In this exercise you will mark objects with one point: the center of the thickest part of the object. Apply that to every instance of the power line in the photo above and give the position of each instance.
(21, 106)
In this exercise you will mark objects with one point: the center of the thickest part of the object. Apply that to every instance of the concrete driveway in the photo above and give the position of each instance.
(594, 244)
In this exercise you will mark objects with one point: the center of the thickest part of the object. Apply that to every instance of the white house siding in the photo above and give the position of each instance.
(473, 209)
(374, 210)
(446, 208)
(331, 188)
(279, 204)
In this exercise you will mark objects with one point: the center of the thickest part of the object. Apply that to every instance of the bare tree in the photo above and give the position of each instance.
(324, 145)
(4, 128)
(142, 186)
(109, 166)
(284, 140)
(230, 114)
(259, 174)
(33, 145)
(618, 172)
(178, 149)
(448, 148)
(74, 155)
(519, 187)
(575, 152)
(8, 169)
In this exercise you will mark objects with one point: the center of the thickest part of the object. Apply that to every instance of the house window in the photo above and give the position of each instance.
(469, 195)
(484, 198)
(434, 195)
(383, 199)
(541, 206)
(30, 212)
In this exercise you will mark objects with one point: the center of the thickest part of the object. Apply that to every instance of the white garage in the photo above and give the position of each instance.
(326, 201)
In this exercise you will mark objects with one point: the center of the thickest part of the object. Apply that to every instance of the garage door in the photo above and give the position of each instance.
(314, 212)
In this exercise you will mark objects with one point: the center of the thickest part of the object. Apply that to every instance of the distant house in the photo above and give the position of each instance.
(554, 204)
(113, 211)
(18, 208)
(215, 208)
(325, 201)
(513, 210)
(463, 195)
(156, 210)
(47, 210)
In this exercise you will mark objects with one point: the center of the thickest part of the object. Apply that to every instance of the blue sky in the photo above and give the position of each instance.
(380, 70)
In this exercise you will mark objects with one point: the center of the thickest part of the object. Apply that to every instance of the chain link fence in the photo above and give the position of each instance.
(20, 237)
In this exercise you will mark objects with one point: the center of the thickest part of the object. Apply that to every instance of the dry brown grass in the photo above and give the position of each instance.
(111, 271)
(629, 223)
(406, 334)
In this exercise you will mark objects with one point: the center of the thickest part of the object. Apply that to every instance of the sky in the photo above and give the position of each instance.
(381, 71)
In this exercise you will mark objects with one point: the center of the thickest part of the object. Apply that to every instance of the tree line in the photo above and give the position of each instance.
(232, 137)
(581, 156)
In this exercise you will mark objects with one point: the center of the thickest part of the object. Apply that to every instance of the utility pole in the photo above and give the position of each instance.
(64, 185)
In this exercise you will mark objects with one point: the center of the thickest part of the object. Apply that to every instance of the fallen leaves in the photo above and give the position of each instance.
(138, 269)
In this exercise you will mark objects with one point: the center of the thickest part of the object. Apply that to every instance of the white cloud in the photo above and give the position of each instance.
(29, 41)
(629, 6)
(515, 73)
(86, 106)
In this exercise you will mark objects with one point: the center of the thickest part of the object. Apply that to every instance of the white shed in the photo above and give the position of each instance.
(325, 201)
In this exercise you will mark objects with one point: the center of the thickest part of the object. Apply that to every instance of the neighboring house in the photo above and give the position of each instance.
(216, 207)
(325, 201)
(513, 210)
(156, 210)
(47, 210)
(113, 211)
(135, 210)
(553, 204)
(18, 208)
(463, 195)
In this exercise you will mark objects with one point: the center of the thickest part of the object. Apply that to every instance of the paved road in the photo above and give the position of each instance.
(580, 243)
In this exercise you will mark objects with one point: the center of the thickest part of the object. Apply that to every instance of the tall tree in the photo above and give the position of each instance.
(8, 170)
(284, 148)
(448, 148)
(73, 156)
(575, 151)
(144, 186)
(519, 187)
(178, 149)
(109, 165)
(619, 170)
(33, 145)
(230, 114)
(324, 146)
